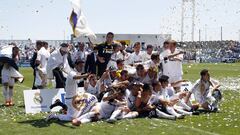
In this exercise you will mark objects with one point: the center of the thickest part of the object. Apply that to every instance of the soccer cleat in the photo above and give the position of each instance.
(56, 103)
(172, 118)
(181, 117)
(152, 114)
(51, 116)
(195, 113)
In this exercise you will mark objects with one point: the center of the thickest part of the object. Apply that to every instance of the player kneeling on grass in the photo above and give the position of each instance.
(206, 92)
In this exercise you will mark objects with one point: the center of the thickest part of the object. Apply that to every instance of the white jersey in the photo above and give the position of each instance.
(196, 90)
(93, 90)
(167, 93)
(146, 57)
(135, 58)
(114, 58)
(106, 108)
(89, 102)
(130, 100)
(165, 63)
(147, 80)
(150, 63)
(55, 60)
(155, 98)
(175, 68)
(71, 85)
(42, 56)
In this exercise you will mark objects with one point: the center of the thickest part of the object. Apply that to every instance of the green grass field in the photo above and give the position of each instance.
(13, 120)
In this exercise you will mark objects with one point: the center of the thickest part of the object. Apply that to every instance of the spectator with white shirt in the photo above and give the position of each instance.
(41, 71)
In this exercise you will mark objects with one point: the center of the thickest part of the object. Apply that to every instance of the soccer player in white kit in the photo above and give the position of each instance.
(206, 92)
(175, 63)
(94, 86)
(136, 56)
(56, 62)
(41, 72)
(9, 74)
(71, 92)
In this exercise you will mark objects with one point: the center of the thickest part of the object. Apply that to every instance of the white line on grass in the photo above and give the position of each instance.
(193, 128)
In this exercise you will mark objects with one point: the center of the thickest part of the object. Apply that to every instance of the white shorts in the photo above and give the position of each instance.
(102, 114)
(8, 79)
(71, 111)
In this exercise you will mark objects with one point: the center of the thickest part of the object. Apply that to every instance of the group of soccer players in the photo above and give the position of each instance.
(122, 85)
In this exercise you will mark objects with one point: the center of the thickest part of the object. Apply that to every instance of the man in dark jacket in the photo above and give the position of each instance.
(33, 63)
(90, 65)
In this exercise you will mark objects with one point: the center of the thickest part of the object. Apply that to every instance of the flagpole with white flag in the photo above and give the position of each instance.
(78, 21)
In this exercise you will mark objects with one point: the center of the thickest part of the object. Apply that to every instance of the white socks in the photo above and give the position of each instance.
(183, 112)
(184, 105)
(130, 115)
(10, 93)
(115, 114)
(5, 92)
(173, 112)
(88, 115)
(161, 114)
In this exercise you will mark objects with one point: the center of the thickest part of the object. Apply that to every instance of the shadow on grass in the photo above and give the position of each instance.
(5, 106)
(21, 106)
(202, 111)
(42, 123)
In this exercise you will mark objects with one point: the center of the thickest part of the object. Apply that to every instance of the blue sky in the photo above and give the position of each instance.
(48, 19)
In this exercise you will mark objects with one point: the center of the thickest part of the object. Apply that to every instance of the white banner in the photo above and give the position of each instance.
(37, 101)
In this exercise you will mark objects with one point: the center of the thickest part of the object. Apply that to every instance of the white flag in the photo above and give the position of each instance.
(79, 22)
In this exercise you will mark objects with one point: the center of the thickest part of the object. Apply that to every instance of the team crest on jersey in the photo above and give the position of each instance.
(37, 99)
(83, 101)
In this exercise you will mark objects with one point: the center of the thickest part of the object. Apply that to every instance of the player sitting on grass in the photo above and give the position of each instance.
(121, 111)
(206, 92)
